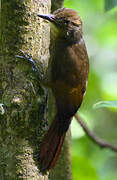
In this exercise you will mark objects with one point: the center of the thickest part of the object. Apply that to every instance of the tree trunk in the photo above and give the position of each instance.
(22, 125)
(23, 118)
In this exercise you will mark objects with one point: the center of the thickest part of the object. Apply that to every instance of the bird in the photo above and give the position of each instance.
(68, 80)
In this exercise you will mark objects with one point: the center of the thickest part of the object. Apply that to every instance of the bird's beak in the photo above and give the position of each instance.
(49, 17)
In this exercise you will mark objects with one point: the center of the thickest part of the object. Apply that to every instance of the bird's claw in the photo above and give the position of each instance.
(32, 62)
(25, 56)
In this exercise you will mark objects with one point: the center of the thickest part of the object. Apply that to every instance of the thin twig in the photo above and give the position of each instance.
(93, 137)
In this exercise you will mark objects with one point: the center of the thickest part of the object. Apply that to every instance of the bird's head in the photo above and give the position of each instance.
(66, 21)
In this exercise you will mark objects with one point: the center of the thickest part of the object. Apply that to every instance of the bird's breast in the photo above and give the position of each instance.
(70, 64)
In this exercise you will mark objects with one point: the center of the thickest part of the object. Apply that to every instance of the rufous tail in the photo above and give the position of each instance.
(52, 143)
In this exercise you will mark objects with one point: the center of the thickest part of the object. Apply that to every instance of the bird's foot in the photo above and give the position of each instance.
(38, 71)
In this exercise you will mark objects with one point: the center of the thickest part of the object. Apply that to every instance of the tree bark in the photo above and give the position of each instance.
(22, 125)
(23, 118)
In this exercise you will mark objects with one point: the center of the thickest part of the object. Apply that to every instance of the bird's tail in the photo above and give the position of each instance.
(52, 143)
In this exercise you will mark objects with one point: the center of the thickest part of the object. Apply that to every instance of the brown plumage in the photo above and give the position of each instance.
(69, 74)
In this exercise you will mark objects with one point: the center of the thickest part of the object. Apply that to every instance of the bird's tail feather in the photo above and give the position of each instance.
(52, 143)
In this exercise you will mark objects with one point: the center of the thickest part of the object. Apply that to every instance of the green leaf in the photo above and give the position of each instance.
(109, 4)
(100, 104)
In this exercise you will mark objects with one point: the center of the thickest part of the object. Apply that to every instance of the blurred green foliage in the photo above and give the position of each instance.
(109, 4)
(90, 162)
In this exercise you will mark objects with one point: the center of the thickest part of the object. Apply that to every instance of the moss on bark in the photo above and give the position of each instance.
(23, 123)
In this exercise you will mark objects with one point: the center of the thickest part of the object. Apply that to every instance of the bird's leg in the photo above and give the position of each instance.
(38, 70)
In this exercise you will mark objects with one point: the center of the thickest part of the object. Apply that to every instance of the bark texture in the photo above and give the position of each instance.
(22, 125)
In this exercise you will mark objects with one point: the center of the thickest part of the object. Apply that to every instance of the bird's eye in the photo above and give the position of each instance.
(67, 22)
